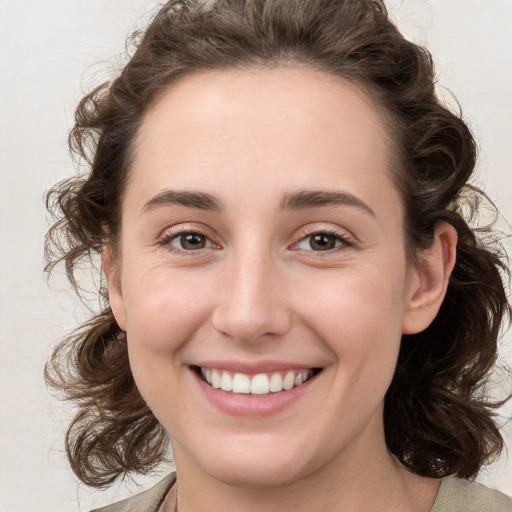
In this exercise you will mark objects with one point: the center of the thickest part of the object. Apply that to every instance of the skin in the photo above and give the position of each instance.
(258, 290)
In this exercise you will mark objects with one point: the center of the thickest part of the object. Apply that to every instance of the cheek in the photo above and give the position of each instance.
(355, 302)
(359, 317)
(367, 343)
(163, 311)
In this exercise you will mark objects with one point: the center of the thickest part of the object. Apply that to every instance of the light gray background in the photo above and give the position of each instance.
(52, 51)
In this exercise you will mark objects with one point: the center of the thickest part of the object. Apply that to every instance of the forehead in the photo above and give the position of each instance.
(292, 124)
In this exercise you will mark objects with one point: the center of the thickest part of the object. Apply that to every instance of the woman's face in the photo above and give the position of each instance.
(262, 244)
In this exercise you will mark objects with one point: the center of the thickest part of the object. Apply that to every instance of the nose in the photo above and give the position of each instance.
(251, 303)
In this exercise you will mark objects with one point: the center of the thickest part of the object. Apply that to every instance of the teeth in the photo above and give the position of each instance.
(301, 377)
(260, 384)
(207, 374)
(216, 379)
(241, 383)
(289, 381)
(276, 383)
(226, 382)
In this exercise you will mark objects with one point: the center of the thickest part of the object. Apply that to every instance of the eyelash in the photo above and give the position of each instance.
(168, 238)
(342, 240)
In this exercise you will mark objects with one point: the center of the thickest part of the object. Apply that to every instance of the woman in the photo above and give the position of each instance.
(294, 295)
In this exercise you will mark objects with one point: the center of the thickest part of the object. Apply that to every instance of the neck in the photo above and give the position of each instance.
(362, 477)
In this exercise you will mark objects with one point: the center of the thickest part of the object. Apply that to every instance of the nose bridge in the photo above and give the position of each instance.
(249, 304)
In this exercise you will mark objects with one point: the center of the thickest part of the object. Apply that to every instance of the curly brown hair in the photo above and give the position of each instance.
(438, 418)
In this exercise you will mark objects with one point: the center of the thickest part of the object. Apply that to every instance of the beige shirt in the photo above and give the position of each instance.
(455, 495)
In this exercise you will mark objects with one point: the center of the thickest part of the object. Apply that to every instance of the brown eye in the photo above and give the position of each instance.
(322, 242)
(190, 241)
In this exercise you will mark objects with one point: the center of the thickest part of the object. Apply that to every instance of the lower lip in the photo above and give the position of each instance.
(252, 406)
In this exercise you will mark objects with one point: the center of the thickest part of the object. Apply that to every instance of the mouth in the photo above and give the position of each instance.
(260, 384)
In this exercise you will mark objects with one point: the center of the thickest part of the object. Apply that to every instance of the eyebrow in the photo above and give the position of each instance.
(305, 199)
(190, 199)
(301, 200)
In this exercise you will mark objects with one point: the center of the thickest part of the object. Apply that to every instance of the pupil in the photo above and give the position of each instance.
(192, 241)
(322, 242)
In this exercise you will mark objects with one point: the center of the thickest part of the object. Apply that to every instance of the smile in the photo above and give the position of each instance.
(259, 384)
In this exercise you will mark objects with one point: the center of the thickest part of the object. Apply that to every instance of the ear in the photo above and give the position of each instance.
(429, 281)
(115, 296)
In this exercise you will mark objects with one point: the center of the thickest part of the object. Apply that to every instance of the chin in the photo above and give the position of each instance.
(255, 463)
(257, 475)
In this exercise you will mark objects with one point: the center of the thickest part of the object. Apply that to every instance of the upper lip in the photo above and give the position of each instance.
(251, 368)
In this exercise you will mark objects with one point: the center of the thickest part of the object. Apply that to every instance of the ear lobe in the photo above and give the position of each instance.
(429, 286)
(115, 295)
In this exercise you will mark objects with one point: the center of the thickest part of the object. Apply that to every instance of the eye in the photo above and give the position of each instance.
(323, 241)
(187, 241)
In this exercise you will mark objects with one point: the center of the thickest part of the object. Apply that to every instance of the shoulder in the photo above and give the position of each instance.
(146, 501)
(458, 495)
